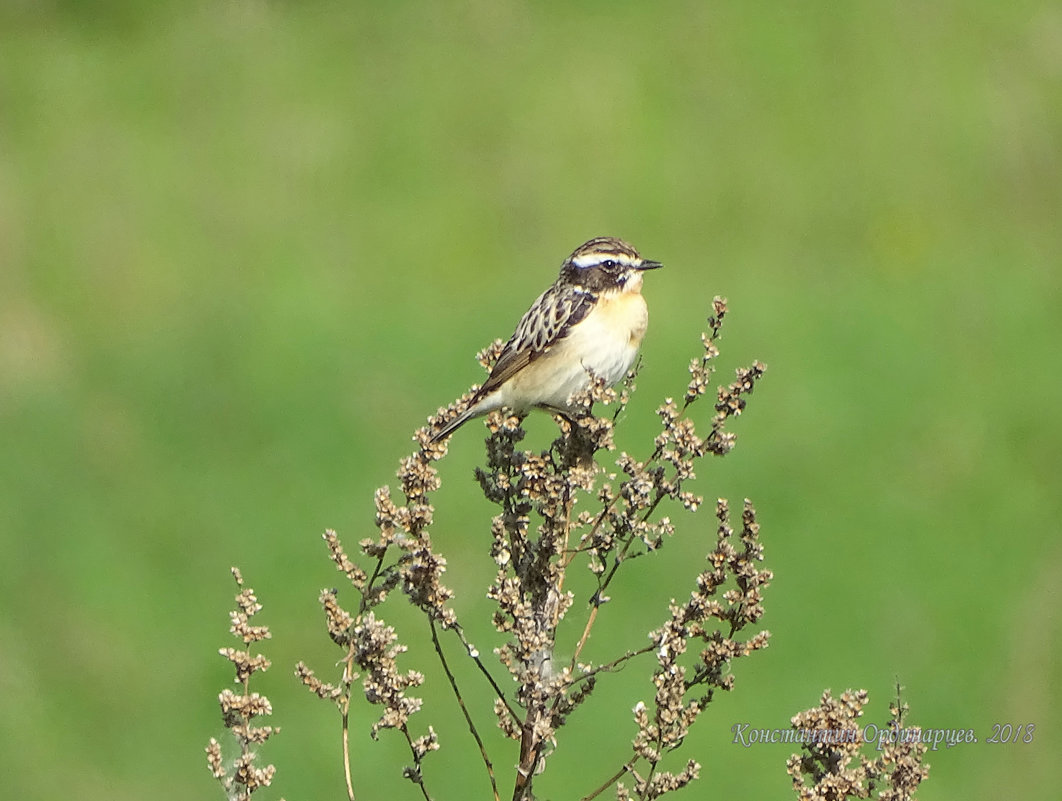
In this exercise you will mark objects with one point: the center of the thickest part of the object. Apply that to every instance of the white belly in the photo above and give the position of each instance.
(605, 344)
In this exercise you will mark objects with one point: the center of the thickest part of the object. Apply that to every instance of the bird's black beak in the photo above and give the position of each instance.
(649, 265)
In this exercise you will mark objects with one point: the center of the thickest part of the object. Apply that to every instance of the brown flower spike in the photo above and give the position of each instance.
(242, 776)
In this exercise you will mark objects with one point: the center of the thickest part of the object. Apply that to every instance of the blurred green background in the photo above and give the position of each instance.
(246, 247)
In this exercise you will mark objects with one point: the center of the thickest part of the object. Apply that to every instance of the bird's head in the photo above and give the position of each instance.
(604, 264)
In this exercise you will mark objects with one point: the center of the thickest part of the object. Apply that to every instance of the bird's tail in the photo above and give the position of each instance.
(454, 424)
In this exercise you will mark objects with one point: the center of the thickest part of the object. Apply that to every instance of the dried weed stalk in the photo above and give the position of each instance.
(243, 777)
(537, 535)
(833, 765)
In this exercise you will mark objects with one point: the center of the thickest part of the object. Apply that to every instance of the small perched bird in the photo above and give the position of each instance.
(590, 322)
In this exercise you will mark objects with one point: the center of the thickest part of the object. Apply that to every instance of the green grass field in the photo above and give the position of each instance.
(246, 248)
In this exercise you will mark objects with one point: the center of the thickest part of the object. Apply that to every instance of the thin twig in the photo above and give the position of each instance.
(347, 680)
(417, 779)
(627, 543)
(364, 605)
(474, 654)
(346, 756)
(610, 666)
(586, 633)
(464, 709)
(615, 778)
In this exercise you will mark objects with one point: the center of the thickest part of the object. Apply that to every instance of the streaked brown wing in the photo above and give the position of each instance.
(548, 320)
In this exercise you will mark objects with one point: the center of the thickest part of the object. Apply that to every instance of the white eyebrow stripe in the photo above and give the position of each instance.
(593, 259)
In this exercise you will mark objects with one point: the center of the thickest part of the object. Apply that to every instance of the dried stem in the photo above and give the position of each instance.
(464, 710)
(348, 679)
(611, 780)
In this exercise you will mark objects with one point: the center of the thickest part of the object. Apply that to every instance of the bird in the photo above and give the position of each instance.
(588, 324)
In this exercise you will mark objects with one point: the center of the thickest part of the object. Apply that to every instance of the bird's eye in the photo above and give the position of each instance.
(608, 264)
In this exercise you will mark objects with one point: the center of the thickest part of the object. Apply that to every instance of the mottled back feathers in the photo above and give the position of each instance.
(547, 321)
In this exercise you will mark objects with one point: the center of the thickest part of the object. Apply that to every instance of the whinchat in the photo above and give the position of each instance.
(589, 324)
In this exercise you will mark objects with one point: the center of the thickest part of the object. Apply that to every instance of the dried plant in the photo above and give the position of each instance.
(239, 709)
(557, 509)
(833, 765)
